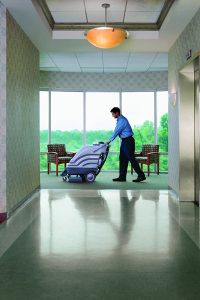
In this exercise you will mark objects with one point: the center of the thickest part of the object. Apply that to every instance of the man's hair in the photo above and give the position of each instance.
(115, 110)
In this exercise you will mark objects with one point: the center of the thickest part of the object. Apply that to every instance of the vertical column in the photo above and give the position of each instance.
(3, 214)
(84, 118)
(196, 130)
(155, 119)
(49, 137)
(155, 125)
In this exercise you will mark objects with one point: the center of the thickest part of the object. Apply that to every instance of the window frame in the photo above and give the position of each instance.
(49, 90)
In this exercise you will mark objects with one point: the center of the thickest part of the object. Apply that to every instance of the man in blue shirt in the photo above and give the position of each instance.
(127, 149)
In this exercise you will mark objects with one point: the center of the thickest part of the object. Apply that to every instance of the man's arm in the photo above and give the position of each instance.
(118, 129)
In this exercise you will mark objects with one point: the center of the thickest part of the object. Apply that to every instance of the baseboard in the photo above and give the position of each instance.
(23, 201)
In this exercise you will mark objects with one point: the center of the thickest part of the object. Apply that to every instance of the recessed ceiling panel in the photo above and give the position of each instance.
(117, 5)
(76, 14)
(65, 5)
(99, 16)
(96, 16)
(145, 5)
(69, 16)
(141, 17)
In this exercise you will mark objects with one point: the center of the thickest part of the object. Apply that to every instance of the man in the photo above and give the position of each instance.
(127, 149)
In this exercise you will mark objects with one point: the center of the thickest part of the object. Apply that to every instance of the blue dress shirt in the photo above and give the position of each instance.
(123, 129)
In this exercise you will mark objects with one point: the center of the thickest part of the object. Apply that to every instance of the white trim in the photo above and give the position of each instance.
(155, 119)
(49, 133)
(84, 118)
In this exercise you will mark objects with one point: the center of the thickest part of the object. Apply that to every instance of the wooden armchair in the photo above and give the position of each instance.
(149, 155)
(57, 154)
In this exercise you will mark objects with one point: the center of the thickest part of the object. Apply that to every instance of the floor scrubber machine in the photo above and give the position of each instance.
(86, 164)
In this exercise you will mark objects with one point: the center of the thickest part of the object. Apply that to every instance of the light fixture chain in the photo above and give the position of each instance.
(106, 6)
(106, 16)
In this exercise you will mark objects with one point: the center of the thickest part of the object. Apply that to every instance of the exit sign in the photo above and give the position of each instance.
(189, 54)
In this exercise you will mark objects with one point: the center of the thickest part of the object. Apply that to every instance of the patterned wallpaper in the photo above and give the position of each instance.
(22, 115)
(105, 82)
(189, 39)
(3, 108)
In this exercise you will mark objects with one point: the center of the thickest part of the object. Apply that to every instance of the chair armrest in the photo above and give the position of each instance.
(52, 153)
(152, 153)
(138, 154)
(71, 154)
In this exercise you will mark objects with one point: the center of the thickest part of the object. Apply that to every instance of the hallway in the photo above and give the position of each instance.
(106, 244)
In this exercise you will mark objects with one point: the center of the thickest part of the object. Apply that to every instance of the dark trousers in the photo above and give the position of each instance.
(127, 151)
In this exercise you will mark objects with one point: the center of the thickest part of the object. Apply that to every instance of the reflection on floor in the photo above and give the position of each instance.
(104, 181)
(106, 244)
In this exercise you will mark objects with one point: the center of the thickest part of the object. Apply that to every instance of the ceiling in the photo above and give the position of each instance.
(64, 49)
(104, 62)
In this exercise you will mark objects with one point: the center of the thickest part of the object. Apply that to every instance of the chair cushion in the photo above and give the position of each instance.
(64, 158)
(141, 159)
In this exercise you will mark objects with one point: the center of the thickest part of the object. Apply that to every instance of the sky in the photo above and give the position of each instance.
(67, 109)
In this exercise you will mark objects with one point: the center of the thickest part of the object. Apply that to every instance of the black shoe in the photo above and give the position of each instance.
(119, 179)
(140, 178)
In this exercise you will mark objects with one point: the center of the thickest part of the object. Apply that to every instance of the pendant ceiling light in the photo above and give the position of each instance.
(106, 37)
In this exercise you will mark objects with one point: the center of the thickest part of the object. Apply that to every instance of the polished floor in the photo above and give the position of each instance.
(106, 244)
(104, 181)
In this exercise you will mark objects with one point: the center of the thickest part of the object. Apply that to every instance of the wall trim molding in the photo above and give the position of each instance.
(23, 201)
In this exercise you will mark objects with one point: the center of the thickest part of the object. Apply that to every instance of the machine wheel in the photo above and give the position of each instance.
(90, 177)
(65, 178)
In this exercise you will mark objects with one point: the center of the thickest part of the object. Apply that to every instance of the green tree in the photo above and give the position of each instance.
(144, 134)
(163, 141)
(163, 133)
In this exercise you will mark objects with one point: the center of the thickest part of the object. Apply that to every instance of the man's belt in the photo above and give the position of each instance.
(128, 137)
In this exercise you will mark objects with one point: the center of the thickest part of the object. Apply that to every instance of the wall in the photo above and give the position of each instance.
(148, 81)
(2, 110)
(22, 115)
(189, 39)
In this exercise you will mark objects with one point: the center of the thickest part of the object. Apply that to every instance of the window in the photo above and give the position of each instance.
(67, 119)
(79, 118)
(100, 124)
(138, 107)
(139, 110)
